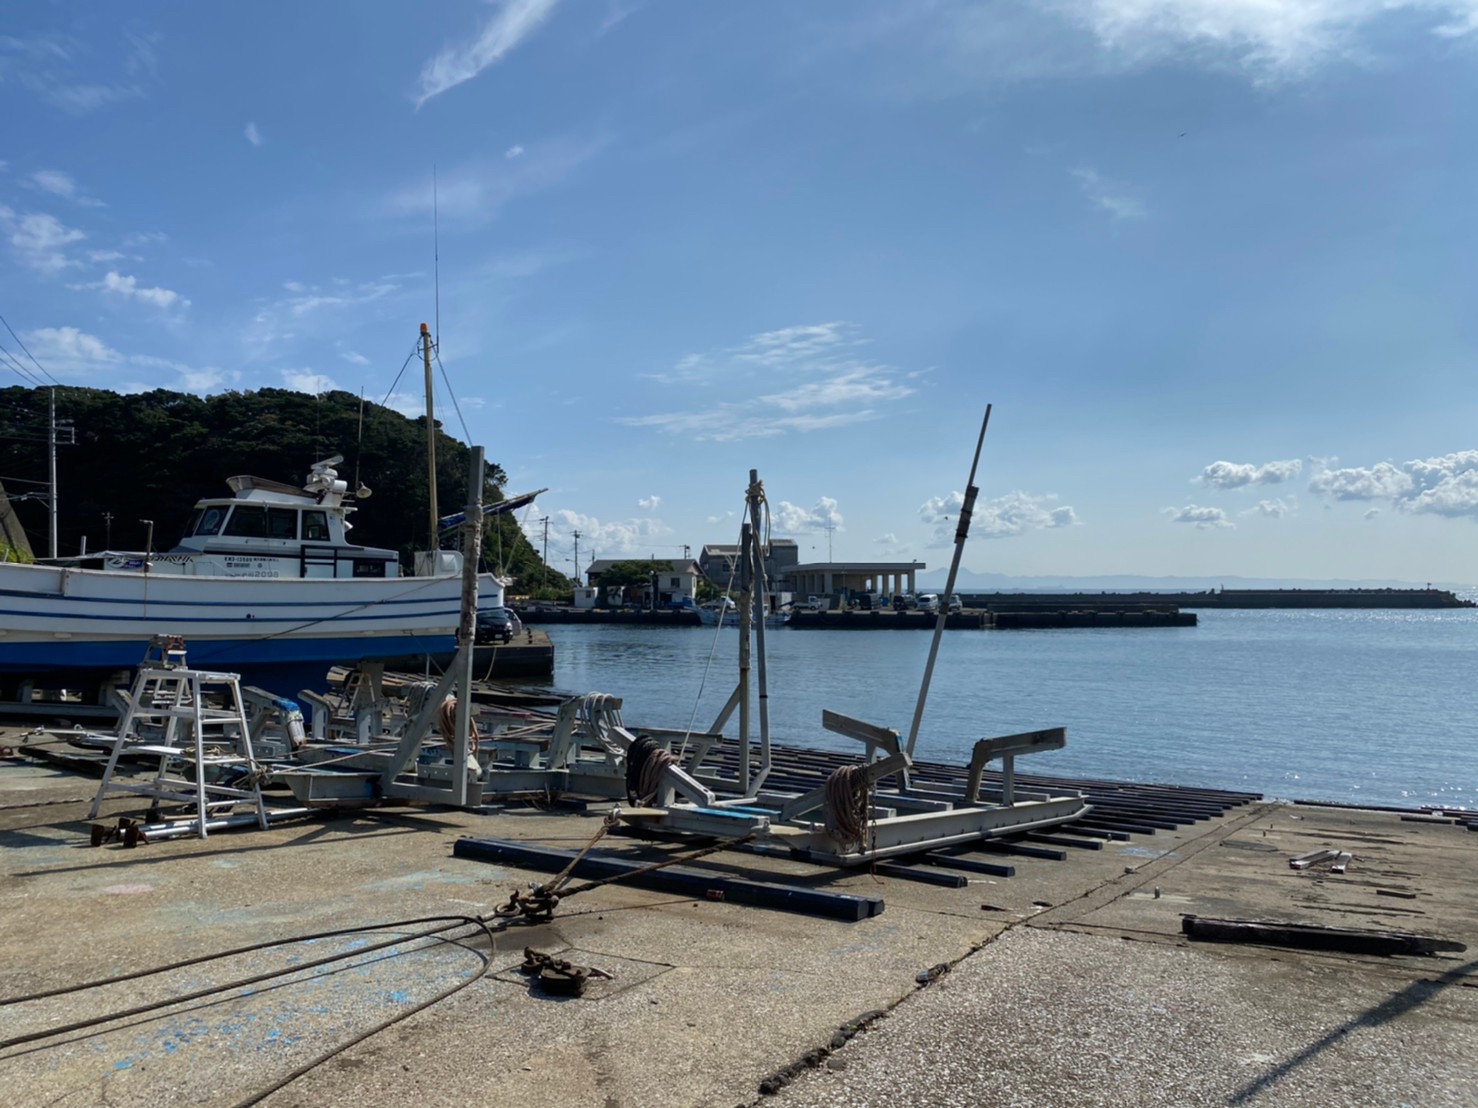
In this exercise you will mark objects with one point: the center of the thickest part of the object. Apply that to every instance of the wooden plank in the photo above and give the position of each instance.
(1313, 936)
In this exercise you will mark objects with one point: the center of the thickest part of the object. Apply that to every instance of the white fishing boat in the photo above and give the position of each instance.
(266, 576)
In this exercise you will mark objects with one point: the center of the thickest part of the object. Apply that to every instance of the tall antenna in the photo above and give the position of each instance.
(436, 252)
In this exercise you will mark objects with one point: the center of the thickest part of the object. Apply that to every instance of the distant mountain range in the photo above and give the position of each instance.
(970, 581)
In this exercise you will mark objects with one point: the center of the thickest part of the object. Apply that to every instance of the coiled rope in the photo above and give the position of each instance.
(646, 761)
(847, 805)
(446, 723)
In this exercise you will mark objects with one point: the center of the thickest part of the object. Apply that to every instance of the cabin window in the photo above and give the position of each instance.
(247, 522)
(315, 526)
(210, 522)
(282, 523)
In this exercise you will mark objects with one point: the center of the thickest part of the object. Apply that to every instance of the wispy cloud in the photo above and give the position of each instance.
(478, 191)
(513, 152)
(71, 352)
(1110, 196)
(1202, 518)
(128, 288)
(649, 503)
(281, 318)
(1236, 475)
(1000, 518)
(510, 23)
(40, 240)
(838, 387)
(253, 135)
(58, 183)
(58, 69)
(1446, 485)
(1269, 38)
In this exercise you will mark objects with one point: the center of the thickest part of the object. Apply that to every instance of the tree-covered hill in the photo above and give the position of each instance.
(151, 455)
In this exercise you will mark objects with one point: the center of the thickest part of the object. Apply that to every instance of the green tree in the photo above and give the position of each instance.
(150, 456)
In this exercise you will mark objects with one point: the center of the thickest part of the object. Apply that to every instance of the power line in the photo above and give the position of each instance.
(15, 366)
(22, 345)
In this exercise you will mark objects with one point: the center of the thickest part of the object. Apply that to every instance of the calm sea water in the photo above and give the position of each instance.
(1374, 708)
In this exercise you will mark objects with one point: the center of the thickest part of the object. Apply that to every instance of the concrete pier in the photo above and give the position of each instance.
(1068, 982)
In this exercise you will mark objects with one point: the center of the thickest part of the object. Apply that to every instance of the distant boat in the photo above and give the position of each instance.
(710, 617)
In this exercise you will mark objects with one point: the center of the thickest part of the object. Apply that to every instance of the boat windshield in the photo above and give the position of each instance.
(207, 522)
(249, 521)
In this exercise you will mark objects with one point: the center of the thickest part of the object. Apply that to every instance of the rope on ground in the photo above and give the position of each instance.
(847, 805)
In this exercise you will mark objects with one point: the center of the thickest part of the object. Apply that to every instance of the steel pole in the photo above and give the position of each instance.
(962, 531)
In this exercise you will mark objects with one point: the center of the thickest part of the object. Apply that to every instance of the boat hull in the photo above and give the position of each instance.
(56, 618)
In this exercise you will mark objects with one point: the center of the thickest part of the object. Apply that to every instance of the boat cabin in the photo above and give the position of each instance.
(269, 529)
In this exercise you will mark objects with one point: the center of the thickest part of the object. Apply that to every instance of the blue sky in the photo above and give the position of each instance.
(1212, 261)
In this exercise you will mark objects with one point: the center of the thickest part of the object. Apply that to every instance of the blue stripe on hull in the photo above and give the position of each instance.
(225, 654)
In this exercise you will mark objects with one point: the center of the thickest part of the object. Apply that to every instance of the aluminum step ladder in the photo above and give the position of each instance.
(187, 718)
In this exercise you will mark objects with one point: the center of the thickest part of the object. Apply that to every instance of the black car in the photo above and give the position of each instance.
(497, 625)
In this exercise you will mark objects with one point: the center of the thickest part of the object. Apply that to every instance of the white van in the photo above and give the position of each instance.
(928, 602)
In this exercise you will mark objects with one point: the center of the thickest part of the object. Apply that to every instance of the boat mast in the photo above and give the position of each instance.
(430, 433)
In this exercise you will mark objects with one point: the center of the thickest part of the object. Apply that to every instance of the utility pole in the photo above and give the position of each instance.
(577, 559)
(54, 434)
(545, 522)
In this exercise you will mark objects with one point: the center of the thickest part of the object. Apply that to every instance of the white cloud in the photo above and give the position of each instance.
(144, 238)
(1202, 518)
(512, 152)
(1002, 517)
(828, 384)
(1111, 196)
(69, 350)
(1235, 475)
(1270, 38)
(192, 378)
(616, 539)
(823, 516)
(354, 357)
(1371, 513)
(510, 22)
(128, 288)
(649, 503)
(1271, 509)
(305, 380)
(61, 184)
(1382, 481)
(99, 257)
(1446, 485)
(253, 135)
(40, 241)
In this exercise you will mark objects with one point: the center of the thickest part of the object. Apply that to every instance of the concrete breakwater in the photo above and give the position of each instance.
(1220, 598)
(994, 621)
